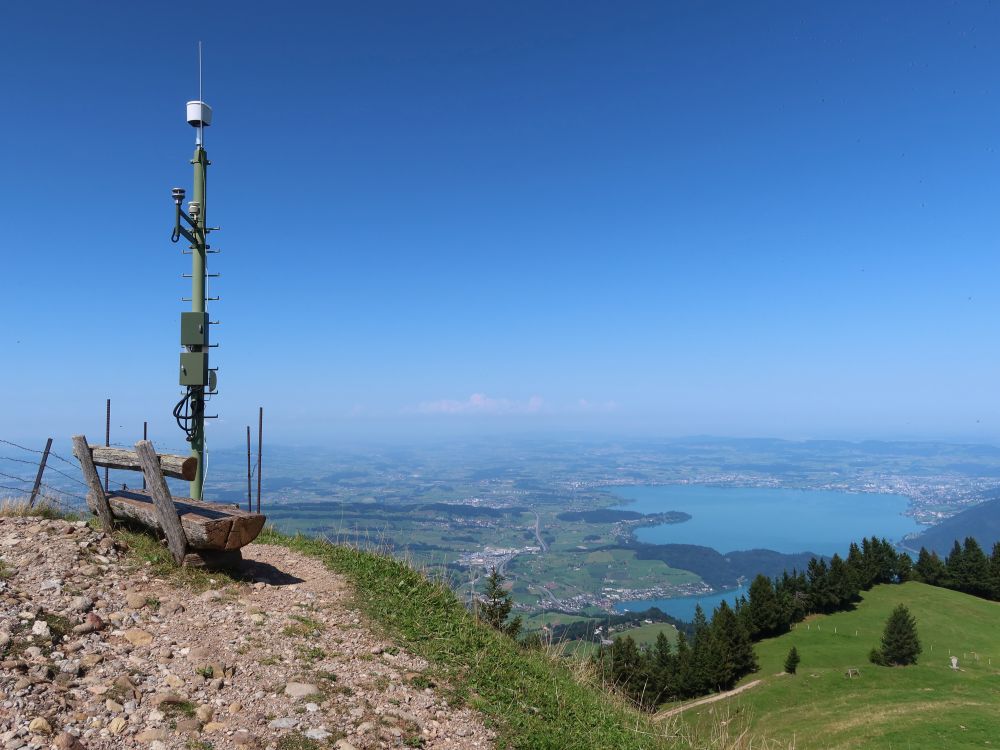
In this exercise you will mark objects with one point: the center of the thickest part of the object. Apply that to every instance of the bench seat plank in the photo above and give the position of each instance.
(206, 525)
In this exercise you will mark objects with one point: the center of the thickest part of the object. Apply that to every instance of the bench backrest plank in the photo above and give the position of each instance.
(178, 467)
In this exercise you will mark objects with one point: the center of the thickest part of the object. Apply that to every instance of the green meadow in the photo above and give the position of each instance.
(927, 705)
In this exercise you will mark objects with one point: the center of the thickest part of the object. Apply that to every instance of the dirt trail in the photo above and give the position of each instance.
(709, 699)
(100, 654)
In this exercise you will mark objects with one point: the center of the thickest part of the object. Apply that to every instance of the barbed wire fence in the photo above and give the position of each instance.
(70, 497)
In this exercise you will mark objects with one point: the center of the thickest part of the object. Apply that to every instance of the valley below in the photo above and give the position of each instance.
(584, 530)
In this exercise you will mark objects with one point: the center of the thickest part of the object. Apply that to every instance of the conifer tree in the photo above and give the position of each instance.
(685, 678)
(904, 568)
(868, 572)
(664, 669)
(995, 572)
(764, 616)
(900, 644)
(495, 605)
(702, 657)
(792, 660)
(627, 669)
(732, 649)
(954, 565)
(821, 595)
(929, 568)
(843, 588)
(975, 569)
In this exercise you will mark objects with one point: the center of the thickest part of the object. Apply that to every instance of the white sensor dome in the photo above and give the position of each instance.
(199, 114)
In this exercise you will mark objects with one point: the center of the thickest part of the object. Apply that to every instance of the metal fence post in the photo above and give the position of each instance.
(38, 476)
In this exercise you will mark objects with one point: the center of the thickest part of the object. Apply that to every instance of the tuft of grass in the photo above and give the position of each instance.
(297, 742)
(311, 653)
(143, 548)
(17, 507)
(303, 626)
(532, 701)
(181, 708)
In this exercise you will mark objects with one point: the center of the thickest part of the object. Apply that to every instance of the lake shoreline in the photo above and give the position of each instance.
(728, 519)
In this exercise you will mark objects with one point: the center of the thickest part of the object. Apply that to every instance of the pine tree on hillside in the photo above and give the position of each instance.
(975, 568)
(995, 572)
(792, 660)
(495, 605)
(628, 671)
(664, 669)
(685, 677)
(954, 565)
(821, 595)
(855, 560)
(732, 649)
(868, 572)
(763, 613)
(703, 659)
(929, 568)
(904, 568)
(842, 582)
(900, 644)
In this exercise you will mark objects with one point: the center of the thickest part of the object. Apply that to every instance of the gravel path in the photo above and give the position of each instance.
(95, 655)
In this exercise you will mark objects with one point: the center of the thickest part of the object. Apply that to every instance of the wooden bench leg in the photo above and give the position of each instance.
(166, 511)
(82, 451)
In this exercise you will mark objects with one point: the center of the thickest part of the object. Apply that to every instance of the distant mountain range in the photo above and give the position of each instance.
(981, 522)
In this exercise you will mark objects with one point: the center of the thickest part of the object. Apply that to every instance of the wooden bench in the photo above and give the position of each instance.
(198, 533)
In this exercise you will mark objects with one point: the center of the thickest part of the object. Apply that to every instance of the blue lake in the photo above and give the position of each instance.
(683, 607)
(739, 518)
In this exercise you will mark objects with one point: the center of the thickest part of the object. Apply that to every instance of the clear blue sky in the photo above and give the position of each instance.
(775, 218)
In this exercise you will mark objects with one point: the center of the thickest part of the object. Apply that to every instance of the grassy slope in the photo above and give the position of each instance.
(645, 634)
(923, 706)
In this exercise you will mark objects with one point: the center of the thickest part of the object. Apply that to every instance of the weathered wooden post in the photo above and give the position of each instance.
(82, 452)
(166, 511)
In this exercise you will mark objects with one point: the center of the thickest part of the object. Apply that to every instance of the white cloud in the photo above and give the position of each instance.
(480, 403)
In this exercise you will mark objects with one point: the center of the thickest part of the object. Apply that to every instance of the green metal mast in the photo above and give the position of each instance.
(195, 373)
(198, 270)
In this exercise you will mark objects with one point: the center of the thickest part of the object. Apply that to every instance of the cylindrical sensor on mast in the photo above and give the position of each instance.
(199, 114)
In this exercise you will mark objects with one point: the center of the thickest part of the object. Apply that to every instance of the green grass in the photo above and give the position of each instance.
(144, 548)
(533, 701)
(18, 507)
(927, 705)
(645, 634)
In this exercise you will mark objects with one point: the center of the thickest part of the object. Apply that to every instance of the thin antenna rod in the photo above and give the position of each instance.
(201, 127)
